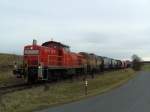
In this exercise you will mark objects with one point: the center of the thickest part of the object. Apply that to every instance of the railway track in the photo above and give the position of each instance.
(18, 87)
(13, 88)
(22, 86)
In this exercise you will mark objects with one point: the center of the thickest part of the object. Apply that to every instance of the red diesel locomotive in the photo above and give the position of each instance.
(53, 60)
(50, 60)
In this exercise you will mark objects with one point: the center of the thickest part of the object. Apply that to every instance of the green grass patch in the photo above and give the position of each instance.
(62, 92)
(146, 67)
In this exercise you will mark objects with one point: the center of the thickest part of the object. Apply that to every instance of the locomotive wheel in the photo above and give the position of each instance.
(28, 79)
(31, 77)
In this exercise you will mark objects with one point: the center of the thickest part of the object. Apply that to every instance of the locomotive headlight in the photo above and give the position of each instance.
(39, 67)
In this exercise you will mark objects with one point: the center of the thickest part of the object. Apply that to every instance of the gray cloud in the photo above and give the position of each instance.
(111, 28)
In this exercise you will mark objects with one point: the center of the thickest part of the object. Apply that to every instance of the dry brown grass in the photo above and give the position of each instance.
(7, 61)
(62, 92)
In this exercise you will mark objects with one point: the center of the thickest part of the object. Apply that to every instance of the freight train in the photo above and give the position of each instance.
(54, 60)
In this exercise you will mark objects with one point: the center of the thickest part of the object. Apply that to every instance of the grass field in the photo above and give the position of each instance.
(6, 66)
(7, 61)
(62, 92)
(146, 67)
(5, 77)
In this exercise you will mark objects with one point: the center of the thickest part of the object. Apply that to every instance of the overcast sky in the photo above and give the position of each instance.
(113, 28)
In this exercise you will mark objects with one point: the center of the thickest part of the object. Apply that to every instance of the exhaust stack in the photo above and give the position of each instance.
(34, 42)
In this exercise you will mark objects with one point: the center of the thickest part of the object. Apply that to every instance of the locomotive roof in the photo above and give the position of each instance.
(54, 43)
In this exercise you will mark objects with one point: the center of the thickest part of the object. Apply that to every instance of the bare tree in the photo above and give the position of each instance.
(136, 62)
